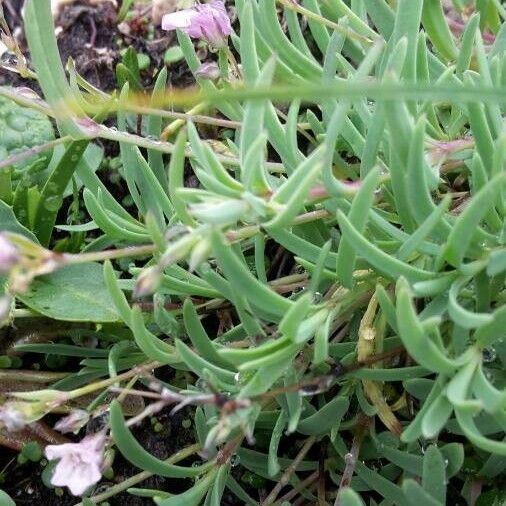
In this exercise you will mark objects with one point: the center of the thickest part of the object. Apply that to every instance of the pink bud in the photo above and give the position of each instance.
(73, 422)
(148, 281)
(208, 22)
(208, 70)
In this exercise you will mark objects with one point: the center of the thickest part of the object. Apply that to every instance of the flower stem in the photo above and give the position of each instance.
(98, 256)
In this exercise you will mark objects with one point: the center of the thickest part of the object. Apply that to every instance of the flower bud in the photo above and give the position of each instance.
(148, 282)
(199, 254)
(77, 419)
(208, 70)
(15, 415)
(178, 250)
(220, 213)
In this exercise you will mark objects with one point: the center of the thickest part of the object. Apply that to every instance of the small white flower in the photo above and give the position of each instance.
(80, 464)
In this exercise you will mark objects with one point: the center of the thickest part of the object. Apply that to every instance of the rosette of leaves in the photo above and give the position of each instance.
(383, 183)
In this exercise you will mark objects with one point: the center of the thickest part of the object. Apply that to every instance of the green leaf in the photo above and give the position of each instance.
(434, 22)
(40, 34)
(199, 336)
(139, 457)
(385, 263)
(198, 364)
(461, 315)
(73, 293)
(327, 417)
(357, 215)
(277, 433)
(292, 193)
(216, 492)
(67, 350)
(414, 337)
(153, 347)
(191, 497)
(9, 223)
(382, 485)
(434, 474)
(493, 331)
(238, 274)
(437, 415)
(416, 495)
(293, 318)
(6, 499)
(348, 497)
(51, 197)
(463, 231)
(465, 416)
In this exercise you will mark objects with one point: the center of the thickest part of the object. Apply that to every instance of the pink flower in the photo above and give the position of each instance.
(80, 464)
(209, 22)
(9, 255)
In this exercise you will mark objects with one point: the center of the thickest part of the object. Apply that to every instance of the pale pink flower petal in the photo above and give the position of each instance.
(80, 464)
(209, 22)
(9, 254)
(180, 19)
(73, 422)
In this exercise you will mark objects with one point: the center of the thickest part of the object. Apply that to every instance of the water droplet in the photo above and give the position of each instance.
(74, 158)
(317, 297)
(317, 388)
(446, 462)
(9, 58)
(489, 355)
(197, 463)
(234, 460)
(348, 458)
(237, 377)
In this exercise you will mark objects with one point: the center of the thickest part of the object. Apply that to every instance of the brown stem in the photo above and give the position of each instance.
(322, 383)
(351, 457)
(298, 488)
(285, 477)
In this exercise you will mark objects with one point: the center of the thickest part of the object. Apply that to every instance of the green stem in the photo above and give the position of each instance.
(5, 185)
(93, 387)
(223, 61)
(144, 475)
(29, 153)
(324, 21)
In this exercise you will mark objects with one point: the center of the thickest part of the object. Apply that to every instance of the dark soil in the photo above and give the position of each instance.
(25, 486)
(89, 35)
